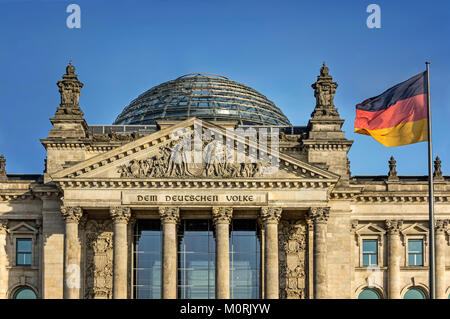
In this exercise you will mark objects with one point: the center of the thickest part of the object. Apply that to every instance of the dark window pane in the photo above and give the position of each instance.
(147, 269)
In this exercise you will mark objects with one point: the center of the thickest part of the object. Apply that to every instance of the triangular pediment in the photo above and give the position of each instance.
(23, 228)
(161, 156)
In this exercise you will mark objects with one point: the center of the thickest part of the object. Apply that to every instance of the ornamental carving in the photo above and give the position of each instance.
(270, 214)
(3, 226)
(222, 214)
(172, 160)
(114, 137)
(169, 214)
(319, 214)
(394, 226)
(71, 214)
(441, 225)
(324, 91)
(292, 255)
(99, 259)
(437, 169)
(120, 214)
(70, 90)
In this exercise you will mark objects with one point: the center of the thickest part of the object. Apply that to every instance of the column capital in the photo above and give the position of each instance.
(72, 214)
(222, 215)
(319, 215)
(169, 214)
(120, 214)
(393, 226)
(441, 225)
(270, 215)
(3, 226)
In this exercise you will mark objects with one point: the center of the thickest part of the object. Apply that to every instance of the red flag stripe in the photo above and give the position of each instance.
(407, 110)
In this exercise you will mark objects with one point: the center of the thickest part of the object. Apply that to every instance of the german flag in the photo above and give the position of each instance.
(398, 116)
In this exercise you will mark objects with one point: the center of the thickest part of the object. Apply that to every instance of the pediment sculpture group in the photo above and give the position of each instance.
(172, 161)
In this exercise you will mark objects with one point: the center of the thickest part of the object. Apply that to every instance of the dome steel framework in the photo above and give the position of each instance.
(206, 96)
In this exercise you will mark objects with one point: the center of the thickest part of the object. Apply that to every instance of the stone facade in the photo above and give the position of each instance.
(313, 216)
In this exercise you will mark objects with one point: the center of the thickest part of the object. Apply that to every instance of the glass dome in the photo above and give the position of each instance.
(203, 95)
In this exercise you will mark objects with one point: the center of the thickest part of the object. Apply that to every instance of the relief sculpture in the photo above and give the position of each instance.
(99, 259)
(292, 243)
(171, 161)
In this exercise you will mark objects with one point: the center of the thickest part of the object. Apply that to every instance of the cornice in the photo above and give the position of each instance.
(401, 197)
(195, 183)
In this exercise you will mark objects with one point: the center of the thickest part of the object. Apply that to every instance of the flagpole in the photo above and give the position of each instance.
(432, 272)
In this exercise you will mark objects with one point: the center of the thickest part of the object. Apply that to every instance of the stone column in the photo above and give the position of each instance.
(441, 228)
(3, 260)
(270, 216)
(170, 216)
(120, 216)
(72, 252)
(319, 217)
(395, 251)
(222, 219)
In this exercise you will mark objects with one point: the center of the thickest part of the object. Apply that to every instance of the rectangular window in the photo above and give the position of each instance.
(23, 251)
(370, 252)
(245, 259)
(147, 259)
(415, 252)
(196, 259)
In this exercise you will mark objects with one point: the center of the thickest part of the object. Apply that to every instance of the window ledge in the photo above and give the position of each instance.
(22, 268)
(366, 268)
(414, 268)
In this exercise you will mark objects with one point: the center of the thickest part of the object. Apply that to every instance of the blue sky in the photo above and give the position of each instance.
(277, 47)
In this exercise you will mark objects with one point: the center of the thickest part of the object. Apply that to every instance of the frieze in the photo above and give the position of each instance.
(192, 197)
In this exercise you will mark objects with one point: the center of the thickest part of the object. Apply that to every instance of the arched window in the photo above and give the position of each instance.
(414, 293)
(369, 294)
(25, 293)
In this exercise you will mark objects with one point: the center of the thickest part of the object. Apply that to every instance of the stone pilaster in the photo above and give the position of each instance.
(441, 245)
(222, 218)
(170, 216)
(270, 216)
(3, 260)
(120, 216)
(72, 251)
(319, 217)
(395, 250)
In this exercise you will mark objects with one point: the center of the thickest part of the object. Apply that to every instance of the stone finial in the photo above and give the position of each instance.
(324, 90)
(72, 214)
(394, 226)
(324, 70)
(437, 168)
(319, 214)
(392, 175)
(70, 69)
(68, 121)
(70, 90)
(222, 214)
(120, 214)
(2, 167)
(270, 215)
(169, 214)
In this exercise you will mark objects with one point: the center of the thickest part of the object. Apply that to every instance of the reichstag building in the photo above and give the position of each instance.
(202, 188)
